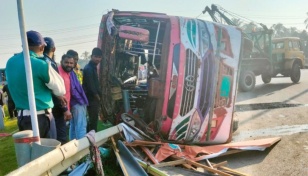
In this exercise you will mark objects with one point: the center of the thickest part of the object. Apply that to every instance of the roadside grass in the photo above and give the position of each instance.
(8, 160)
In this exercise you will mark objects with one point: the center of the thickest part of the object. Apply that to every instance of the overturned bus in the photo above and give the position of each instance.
(176, 76)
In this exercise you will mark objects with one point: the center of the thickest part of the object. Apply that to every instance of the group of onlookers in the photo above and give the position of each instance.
(62, 92)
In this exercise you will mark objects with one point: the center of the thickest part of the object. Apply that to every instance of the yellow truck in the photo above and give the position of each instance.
(263, 55)
(284, 59)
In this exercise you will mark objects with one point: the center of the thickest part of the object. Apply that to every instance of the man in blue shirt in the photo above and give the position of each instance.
(60, 113)
(45, 82)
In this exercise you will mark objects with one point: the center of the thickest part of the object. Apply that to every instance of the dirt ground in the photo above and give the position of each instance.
(288, 157)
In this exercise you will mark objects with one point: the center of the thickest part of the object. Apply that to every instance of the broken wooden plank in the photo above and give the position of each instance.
(140, 142)
(215, 165)
(207, 168)
(232, 171)
(146, 158)
(149, 154)
(136, 145)
(222, 166)
(187, 166)
(180, 171)
(202, 166)
(208, 162)
(151, 169)
(171, 163)
(137, 153)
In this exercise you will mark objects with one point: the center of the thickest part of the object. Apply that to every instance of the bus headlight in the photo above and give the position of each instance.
(194, 126)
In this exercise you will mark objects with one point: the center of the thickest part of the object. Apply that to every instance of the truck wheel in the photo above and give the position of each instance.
(247, 81)
(295, 73)
(266, 78)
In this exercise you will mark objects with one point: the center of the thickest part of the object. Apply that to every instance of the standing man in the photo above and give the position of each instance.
(76, 66)
(78, 101)
(49, 52)
(60, 111)
(91, 86)
(45, 82)
(2, 115)
(67, 65)
(10, 103)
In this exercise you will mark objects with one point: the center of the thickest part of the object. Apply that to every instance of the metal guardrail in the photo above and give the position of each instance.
(59, 159)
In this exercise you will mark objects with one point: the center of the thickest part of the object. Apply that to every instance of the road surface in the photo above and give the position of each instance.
(279, 108)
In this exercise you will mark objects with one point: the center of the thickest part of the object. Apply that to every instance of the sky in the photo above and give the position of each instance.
(74, 24)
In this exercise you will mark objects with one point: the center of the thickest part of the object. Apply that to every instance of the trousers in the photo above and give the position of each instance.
(53, 129)
(60, 125)
(24, 123)
(78, 123)
(93, 111)
(11, 109)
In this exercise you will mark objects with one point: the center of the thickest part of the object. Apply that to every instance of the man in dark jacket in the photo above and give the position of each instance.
(91, 86)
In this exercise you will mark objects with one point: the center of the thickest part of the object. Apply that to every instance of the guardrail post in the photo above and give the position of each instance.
(23, 146)
(27, 150)
(46, 146)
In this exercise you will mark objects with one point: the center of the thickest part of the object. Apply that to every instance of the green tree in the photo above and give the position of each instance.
(237, 22)
(306, 21)
(304, 35)
(279, 30)
(250, 27)
(293, 32)
(86, 55)
(304, 40)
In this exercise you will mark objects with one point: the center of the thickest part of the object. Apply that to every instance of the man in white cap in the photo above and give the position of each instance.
(45, 82)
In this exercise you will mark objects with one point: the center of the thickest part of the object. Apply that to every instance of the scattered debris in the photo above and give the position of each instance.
(126, 160)
(161, 158)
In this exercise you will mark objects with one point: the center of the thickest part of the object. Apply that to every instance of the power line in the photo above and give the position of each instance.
(263, 17)
(77, 40)
(61, 40)
(56, 31)
(199, 15)
(63, 21)
(59, 44)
